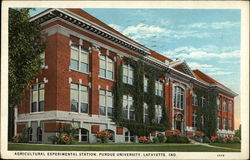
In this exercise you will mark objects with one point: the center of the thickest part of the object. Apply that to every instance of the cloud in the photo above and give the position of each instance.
(214, 25)
(116, 27)
(208, 52)
(220, 73)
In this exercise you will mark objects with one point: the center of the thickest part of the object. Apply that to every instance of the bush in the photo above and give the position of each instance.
(219, 140)
(161, 138)
(155, 140)
(177, 139)
(206, 139)
(236, 140)
(144, 140)
(54, 139)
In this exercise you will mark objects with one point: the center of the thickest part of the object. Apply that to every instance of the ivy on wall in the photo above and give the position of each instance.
(208, 112)
(136, 90)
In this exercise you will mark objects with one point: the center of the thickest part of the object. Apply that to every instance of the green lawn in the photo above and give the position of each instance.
(233, 145)
(121, 147)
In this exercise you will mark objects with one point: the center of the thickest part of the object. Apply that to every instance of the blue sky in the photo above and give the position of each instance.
(208, 39)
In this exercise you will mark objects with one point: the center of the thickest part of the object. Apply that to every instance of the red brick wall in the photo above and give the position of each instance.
(53, 126)
(20, 128)
(95, 128)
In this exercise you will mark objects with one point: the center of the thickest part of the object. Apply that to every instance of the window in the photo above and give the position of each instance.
(224, 106)
(203, 101)
(194, 120)
(230, 107)
(145, 113)
(158, 113)
(230, 127)
(218, 103)
(218, 122)
(39, 133)
(159, 88)
(129, 137)
(145, 84)
(106, 67)
(127, 107)
(128, 74)
(79, 98)
(194, 100)
(30, 133)
(79, 60)
(42, 56)
(37, 97)
(106, 103)
(178, 97)
(81, 135)
(224, 123)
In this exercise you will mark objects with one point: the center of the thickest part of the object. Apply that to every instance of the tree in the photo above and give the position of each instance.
(238, 132)
(25, 48)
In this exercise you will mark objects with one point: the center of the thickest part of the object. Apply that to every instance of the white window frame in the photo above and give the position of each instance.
(145, 84)
(203, 101)
(42, 56)
(126, 77)
(108, 62)
(224, 106)
(38, 97)
(194, 100)
(79, 91)
(129, 136)
(158, 113)
(145, 114)
(225, 123)
(194, 116)
(79, 135)
(219, 123)
(80, 51)
(177, 96)
(230, 107)
(159, 88)
(107, 95)
(129, 101)
(218, 104)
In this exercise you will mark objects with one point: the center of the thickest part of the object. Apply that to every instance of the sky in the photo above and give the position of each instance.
(207, 39)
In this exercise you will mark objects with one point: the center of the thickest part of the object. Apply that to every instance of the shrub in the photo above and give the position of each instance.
(213, 138)
(236, 140)
(219, 140)
(161, 137)
(177, 139)
(103, 136)
(16, 139)
(54, 139)
(206, 139)
(144, 140)
(155, 140)
(182, 139)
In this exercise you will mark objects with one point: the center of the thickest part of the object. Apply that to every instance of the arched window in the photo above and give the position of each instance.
(79, 58)
(39, 133)
(178, 97)
(30, 132)
(82, 135)
(106, 67)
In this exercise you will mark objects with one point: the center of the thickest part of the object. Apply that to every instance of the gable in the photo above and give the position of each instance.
(182, 67)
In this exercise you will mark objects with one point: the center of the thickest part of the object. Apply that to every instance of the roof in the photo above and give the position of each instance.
(205, 78)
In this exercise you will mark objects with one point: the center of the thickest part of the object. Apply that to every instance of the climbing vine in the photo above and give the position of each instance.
(136, 90)
(206, 115)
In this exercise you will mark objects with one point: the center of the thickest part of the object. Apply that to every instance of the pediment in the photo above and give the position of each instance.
(182, 66)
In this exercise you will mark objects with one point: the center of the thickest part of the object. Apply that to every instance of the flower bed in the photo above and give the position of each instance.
(103, 136)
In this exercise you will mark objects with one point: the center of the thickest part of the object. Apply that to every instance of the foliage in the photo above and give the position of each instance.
(136, 90)
(66, 135)
(205, 139)
(175, 138)
(208, 112)
(238, 132)
(103, 136)
(144, 140)
(16, 139)
(155, 140)
(228, 139)
(236, 140)
(161, 138)
(25, 47)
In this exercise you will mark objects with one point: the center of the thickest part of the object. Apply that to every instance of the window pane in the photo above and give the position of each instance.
(84, 108)
(34, 87)
(84, 67)
(41, 86)
(102, 100)
(35, 96)
(74, 95)
(110, 66)
(130, 80)
(110, 75)
(102, 64)
(74, 64)
(102, 72)
(110, 101)
(125, 79)
(41, 106)
(132, 114)
(74, 106)
(33, 106)
(102, 92)
(74, 86)
(125, 113)
(74, 54)
(102, 110)
(125, 72)
(41, 95)
(83, 88)
(110, 111)
(84, 58)
(84, 97)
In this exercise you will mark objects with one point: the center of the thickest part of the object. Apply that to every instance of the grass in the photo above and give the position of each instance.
(227, 145)
(121, 147)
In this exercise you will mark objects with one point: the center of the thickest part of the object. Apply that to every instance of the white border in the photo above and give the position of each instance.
(243, 5)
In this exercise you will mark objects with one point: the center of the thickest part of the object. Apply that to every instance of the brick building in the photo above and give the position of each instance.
(79, 73)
